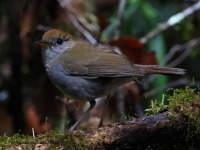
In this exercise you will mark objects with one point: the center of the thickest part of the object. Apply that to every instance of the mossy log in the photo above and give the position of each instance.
(161, 131)
(172, 126)
(158, 131)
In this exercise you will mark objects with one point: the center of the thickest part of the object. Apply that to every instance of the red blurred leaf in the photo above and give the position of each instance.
(25, 27)
(134, 50)
(34, 120)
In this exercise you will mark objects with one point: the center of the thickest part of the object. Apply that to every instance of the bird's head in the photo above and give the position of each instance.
(55, 42)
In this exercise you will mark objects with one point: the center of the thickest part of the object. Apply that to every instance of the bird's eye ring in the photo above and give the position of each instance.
(59, 41)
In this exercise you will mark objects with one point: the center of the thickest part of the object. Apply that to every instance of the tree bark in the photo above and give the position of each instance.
(163, 131)
(159, 131)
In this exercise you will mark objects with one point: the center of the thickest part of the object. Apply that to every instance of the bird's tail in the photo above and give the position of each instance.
(154, 69)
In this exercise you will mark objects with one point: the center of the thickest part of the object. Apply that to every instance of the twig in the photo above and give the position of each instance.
(152, 92)
(33, 132)
(171, 53)
(119, 19)
(87, 35)
(43, 28)
(79, 27)
(186, 48)
(171, 21)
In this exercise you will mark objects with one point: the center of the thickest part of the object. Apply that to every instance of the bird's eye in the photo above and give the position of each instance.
(59, 41)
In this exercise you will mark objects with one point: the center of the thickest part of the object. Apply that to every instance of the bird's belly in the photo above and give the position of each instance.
(80, 88)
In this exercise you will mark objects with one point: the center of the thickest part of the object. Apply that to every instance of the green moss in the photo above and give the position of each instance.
(156, 107)
(185, 101)
(15, 140)
(53, 139)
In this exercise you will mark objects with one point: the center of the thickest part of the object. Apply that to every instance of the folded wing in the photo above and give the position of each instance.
(97, 62)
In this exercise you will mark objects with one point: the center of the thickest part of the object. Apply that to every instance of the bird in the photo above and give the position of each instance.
(86, 72)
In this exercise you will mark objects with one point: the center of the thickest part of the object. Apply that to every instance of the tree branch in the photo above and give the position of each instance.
(186, 50)
(167, 130)
(171, 22)
(68, 10)
(122, 4)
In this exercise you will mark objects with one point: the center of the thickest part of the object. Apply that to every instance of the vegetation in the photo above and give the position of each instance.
(52, 139)
(185, 101)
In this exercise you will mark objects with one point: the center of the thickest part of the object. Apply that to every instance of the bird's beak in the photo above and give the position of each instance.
(42, 43)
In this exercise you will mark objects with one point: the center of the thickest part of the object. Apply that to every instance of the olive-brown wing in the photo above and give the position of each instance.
(87, 60)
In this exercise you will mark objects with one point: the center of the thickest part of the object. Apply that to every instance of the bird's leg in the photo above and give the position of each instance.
(92, 104)
(104, 110)
(70, 107)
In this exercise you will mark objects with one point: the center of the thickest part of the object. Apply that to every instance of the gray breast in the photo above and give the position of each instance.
(80, 88)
